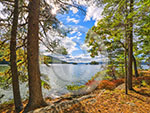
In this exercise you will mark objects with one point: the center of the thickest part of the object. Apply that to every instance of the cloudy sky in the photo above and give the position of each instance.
(80, 23)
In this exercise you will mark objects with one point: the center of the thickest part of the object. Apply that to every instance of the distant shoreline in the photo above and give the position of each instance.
(2, 64)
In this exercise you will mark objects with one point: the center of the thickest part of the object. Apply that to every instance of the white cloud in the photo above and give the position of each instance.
(78, 28)
(79, 33)
(1, 6)
(84, 46)
(74, 10)
(74, 30)
(66, 42)
(72, 20)
(93, 12)
(54, 10)
(48, 2)
(84, 58)
(77, 36)
(84, 2)
(69, 45)
(2, 15)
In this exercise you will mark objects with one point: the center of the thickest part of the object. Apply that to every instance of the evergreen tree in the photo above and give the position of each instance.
(35, 92)
(13, 60)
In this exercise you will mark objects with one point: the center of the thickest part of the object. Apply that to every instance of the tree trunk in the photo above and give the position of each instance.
(35, 92)
(126, 71)
(123, 71)
(130, 48)
(125, 51)
(13, 62)
(135, 67)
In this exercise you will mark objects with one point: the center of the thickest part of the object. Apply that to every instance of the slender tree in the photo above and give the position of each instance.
(130, 47)
(35, 92)
(135, 66)
(13, 62)
(125, 54)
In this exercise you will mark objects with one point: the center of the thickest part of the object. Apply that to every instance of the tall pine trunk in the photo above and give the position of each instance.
(35, 92)
(130, 47)
(125, 53)
(13, 62)
(135, 66)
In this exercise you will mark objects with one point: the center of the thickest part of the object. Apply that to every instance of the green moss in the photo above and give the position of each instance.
(45, 85)
(107, 78)
(74, 87)
(3, 68)
(144, 83)
(6, 103)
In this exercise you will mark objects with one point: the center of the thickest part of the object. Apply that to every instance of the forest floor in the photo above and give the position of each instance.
(101, 100)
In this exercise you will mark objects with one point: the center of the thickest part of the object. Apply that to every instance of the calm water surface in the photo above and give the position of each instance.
(58, 76)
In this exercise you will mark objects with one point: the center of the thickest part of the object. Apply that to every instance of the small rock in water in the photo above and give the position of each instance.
(2, 96)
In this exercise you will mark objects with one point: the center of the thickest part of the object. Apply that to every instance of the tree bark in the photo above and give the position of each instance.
(130, 48)
(135, 67)
(125, 49)
(126, 71)
(35, 92)
(13, 62)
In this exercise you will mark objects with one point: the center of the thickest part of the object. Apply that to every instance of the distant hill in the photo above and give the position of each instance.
(52, 60)
(94, 63)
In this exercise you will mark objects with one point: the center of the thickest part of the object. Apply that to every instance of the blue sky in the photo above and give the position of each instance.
(80, 23)
(76, 20)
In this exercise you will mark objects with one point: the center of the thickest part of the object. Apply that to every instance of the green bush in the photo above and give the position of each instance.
(107, 78)
(74, 87)
(3, 68)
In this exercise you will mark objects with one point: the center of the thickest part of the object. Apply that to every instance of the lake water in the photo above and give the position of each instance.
(59, 76)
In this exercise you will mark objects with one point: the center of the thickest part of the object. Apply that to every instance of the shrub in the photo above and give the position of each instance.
(144, 72)
(118, 82)
(107, 77)
(142, 81)
(90, 82)
(106, 84)
(75, 87)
